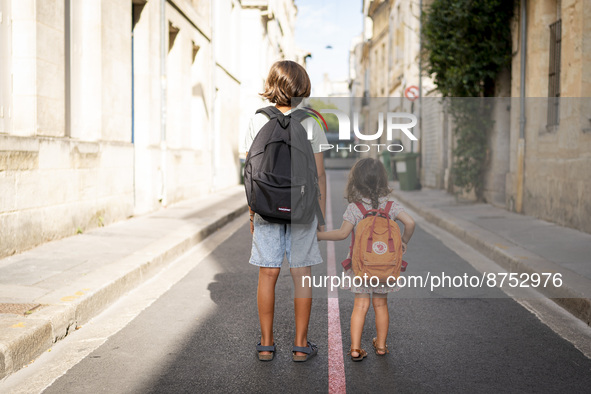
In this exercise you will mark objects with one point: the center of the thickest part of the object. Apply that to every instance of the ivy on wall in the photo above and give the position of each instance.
(466, 43)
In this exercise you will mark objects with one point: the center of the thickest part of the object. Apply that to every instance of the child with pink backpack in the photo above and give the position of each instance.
(370, 215)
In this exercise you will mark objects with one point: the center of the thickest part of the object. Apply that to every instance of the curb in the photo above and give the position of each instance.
(514, 258)
(22, 339)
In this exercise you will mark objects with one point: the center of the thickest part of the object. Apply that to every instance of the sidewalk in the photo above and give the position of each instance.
(518, 243)
(48, 291)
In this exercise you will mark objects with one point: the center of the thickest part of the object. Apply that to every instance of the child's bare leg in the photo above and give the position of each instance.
(302, 304)
(266, 303)
(380, 306)
(360, 308)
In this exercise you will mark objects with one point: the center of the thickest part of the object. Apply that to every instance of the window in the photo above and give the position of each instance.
(554, 74)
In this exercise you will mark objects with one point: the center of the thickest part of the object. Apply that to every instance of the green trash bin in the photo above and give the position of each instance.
(386, 162)
(406, 168)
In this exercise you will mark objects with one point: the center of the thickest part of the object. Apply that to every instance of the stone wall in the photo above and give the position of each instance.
(498, 142)
(557, 158)
(88, 136)
(66, 163)
(81, 148)
(53, 187)
(435, 133)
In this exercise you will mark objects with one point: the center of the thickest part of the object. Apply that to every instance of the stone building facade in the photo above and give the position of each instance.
(555, 181)
(114, 108)
(386, 62)
(538, 164)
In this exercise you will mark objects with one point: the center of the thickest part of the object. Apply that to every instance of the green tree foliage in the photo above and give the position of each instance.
(331, 120)
(466, 43)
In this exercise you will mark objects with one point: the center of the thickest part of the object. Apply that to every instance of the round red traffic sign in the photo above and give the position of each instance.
(411, 92)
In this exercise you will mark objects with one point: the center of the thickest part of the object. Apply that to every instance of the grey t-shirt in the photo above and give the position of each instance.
(259, 120)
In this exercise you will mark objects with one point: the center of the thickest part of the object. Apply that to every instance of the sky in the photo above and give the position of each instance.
(322, 23)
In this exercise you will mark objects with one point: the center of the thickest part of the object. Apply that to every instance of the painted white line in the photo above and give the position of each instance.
(336, 366)
(556, 318)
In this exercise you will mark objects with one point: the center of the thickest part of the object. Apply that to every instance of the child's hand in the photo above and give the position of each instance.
(404, 246)
(320, 230)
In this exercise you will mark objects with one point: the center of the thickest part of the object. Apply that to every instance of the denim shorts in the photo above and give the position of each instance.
(271, 242)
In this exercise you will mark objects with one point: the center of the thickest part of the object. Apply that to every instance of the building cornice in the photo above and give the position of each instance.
(192, 17)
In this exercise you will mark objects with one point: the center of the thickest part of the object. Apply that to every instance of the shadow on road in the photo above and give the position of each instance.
(219, 355)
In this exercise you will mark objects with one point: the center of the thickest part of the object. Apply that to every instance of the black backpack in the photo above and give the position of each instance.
(280, 175)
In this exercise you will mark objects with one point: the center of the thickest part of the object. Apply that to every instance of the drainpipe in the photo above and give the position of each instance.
(521, 141)
(420, 86)
(212, 119)
(162, 196)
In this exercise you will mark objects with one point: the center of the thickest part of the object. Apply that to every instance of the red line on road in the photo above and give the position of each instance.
(336, 367)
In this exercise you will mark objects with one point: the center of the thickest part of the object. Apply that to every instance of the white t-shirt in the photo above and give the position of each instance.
(259, 120)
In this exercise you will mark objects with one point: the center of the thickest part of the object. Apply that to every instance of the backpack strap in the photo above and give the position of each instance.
(319, 214)
(361, 208)
(271, 111)
(388, 207)
(364, 212)
(347, 263)
(387, 211)
(299, 115)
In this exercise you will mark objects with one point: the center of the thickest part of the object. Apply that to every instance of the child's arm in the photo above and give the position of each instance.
(336, 235)
(409, 228)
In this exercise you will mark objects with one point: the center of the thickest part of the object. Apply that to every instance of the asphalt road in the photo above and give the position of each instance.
(200, 336)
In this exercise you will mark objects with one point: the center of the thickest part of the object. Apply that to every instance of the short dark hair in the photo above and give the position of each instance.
(286, 80)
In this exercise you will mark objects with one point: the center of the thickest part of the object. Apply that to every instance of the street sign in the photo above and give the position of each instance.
(411, 92)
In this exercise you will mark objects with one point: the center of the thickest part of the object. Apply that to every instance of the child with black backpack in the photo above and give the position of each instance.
(367, 192)
(278, 230)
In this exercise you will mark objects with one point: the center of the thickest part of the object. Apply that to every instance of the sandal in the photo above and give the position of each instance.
(362, 354)
(266, 357)
(379, 349)
(311, 350)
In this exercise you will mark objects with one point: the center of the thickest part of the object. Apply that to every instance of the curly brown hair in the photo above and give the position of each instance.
(287, 81)
(367, 178)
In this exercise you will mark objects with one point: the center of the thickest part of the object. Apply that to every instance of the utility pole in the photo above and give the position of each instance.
(163, 101)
